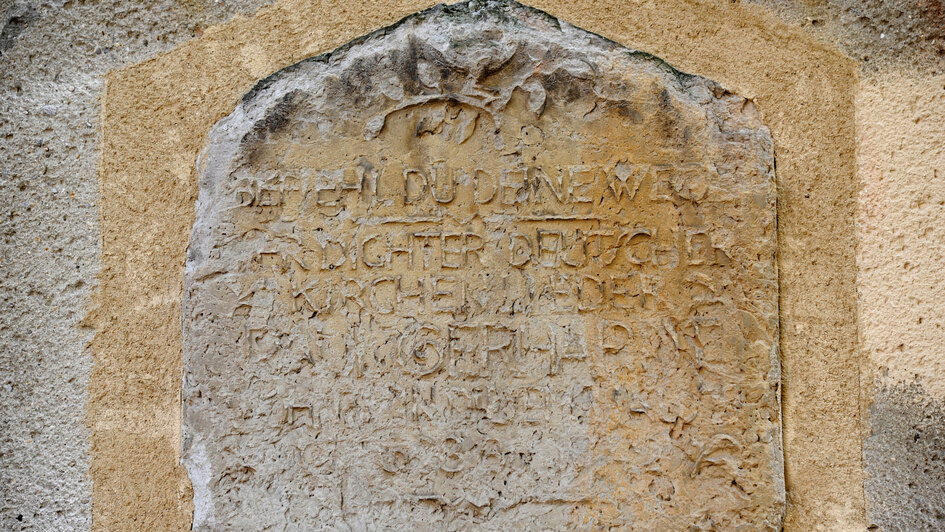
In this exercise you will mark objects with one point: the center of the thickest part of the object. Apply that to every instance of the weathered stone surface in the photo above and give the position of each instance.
(905, 460)
(484, 269)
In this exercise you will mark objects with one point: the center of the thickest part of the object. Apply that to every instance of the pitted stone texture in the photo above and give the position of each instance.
(484, 269)
(906, 457)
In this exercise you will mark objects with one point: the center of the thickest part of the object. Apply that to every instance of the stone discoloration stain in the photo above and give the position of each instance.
(881, 35)
(485, 269)
(901, 202)
(905, 457)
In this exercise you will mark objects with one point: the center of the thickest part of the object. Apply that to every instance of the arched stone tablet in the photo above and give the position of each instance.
(484, 270)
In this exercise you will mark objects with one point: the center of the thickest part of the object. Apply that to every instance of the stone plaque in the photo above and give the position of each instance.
(484, 270)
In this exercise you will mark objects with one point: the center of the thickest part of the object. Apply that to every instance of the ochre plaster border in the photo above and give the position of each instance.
(155, 119)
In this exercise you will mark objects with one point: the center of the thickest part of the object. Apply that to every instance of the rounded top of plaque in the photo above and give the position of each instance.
(486, 268)
(480, 61)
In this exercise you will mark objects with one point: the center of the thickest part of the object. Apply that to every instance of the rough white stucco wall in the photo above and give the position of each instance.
(53, 56)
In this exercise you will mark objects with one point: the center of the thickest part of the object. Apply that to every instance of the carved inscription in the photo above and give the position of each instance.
(484, 270)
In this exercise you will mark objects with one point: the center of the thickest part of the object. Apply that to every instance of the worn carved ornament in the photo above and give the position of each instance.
(484, 270)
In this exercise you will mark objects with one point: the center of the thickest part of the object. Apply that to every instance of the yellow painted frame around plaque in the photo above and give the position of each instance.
(155, 119)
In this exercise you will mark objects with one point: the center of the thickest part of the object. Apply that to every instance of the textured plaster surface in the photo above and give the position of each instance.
(901, 126)
(905, 458)
(901, 123)
(53, 59)
(803, 91)
(602, 354)
(900, 48)
(879, 34)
